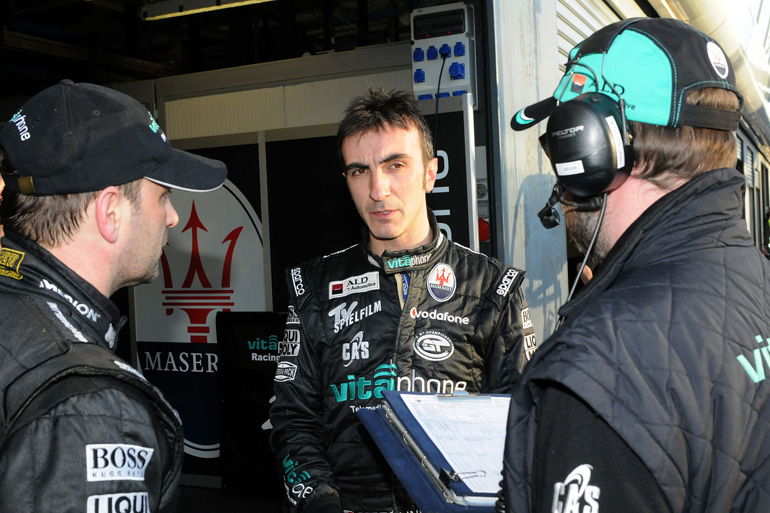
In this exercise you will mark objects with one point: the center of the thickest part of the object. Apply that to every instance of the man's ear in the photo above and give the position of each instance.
(108, 213)
(430, 174)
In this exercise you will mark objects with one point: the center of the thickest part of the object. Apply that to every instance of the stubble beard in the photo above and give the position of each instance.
(581, 227)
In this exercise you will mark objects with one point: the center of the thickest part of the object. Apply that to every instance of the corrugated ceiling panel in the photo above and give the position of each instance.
(225, 114)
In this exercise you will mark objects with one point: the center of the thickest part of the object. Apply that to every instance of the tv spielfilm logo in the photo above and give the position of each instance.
(213, 262)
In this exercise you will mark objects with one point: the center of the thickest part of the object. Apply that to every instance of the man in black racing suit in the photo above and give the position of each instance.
(85, 212)
(406, 309)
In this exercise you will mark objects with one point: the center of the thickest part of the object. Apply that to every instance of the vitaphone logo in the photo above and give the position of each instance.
(271, 345)
(290, 471)
(116, 462)
(385, 378)
(757, 371)
(405, 261)
(21, 125)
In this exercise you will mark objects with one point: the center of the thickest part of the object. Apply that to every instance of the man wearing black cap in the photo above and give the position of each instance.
(86, 210)
(651, 393)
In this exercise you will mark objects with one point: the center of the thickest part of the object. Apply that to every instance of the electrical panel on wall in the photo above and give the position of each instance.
(443, 51)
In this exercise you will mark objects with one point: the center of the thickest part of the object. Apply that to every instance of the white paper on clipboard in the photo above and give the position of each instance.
(470, 433)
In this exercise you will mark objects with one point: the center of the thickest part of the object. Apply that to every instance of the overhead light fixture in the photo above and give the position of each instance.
(173, 8)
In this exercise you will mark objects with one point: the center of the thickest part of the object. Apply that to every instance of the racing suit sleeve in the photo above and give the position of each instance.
(90, 444)
(581, 464)
(298, 437)
(511, 347)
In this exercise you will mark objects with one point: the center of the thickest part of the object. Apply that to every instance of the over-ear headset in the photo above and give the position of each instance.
(587, 140)
(588, 145)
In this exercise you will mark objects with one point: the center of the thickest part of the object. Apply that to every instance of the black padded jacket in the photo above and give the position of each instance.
(80, 430)
(668, 344)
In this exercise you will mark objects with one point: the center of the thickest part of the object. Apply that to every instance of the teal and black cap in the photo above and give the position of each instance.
(653, 64)
(78, 137)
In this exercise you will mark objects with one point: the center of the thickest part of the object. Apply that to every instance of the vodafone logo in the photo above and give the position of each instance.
(438, 316)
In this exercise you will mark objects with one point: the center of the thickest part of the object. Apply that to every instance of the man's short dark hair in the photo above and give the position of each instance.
(51, 220)
(379, 109)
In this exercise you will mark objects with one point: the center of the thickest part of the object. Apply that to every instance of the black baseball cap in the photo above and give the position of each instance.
(78, 137)
(653, 64)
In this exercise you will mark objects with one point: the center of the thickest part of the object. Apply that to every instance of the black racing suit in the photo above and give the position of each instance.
(99, 438)
(463, 325)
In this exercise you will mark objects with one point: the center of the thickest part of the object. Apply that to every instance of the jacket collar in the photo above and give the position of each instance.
(423, 257)
(86, 314)
(715, 198)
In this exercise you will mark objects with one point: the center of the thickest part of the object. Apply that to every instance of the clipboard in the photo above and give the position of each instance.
(405, 436)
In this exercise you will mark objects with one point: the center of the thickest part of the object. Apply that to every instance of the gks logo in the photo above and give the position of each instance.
(356, 349)
(575, 494)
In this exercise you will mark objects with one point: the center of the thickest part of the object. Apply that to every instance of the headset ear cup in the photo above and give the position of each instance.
(588, 145)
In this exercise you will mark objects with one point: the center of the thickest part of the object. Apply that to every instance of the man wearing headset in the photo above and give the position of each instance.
(650, 394)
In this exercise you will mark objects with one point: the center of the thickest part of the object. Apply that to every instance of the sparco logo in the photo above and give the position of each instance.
(83, 309)
(433, 346)
(567, 132)
(296, 277)
(116, 462)
(439, 316)
(508, 279)
(575, 494)
(285, 372)
(137, 502)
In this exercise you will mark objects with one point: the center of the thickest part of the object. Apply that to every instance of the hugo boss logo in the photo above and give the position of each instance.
(116, 462)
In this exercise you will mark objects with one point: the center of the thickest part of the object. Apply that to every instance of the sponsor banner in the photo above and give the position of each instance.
(356, 349)
(355, 285)
(129, 502)
(442, 282)
(507, 281)
(438, 316)
(296, 278)
(293, 318)
(433, 345)
(10, 261)
(117, 462)
(345, 315)
(286, 371)
(526, 319)
(396, 264)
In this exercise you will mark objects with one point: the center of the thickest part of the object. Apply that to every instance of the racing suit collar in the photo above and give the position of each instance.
(36, 272)
(423, 257)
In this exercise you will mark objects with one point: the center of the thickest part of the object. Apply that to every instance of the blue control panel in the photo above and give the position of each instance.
(443, 51)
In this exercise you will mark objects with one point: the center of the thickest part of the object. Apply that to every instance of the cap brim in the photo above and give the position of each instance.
(190, 172)
(532, 115)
